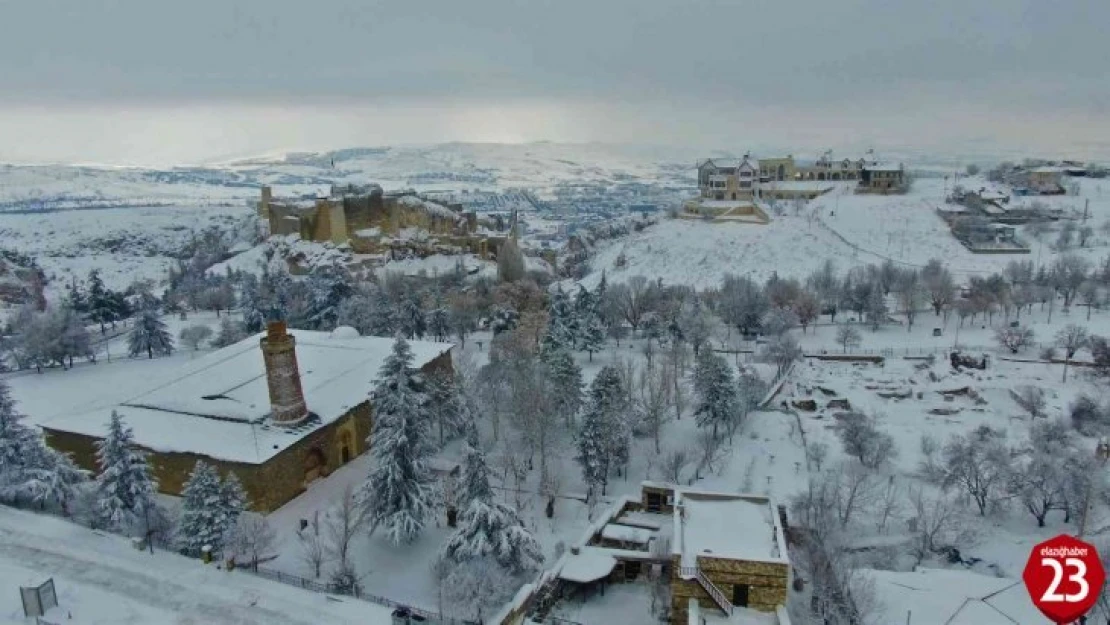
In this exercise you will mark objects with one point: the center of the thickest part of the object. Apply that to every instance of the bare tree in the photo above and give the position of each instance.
(655, 389)
(1031, 399)
(936, 522)
(783, 351)
(816, 454)
(709, 446)
(979, 464)
(194, 335)
(1071, 339)
(313, 549)
(253, 539)
(888, 503)
(1014, 339)
(674, 461)
(1037, 483)
(863, 440)
(534, 411)
(848, 337)
(342, 524)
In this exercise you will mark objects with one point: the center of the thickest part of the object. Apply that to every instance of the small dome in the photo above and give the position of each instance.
(345, 332)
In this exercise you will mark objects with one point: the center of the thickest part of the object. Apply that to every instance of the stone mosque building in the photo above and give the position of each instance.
(280, 409)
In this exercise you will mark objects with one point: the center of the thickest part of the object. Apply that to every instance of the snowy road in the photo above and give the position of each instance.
(101, 579)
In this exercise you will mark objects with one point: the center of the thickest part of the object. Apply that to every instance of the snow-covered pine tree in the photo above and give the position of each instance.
(397, 494)
(488, 528)
(475, 471)
(609, 393)
(561, 323)
(590, 328)
(233, 500)
(101, 308)
(124, 487)
(439, 322)
(355, 312)
(150, 336)
(29, 470)
(716, 391)
(504, 320)
(203, 518)
(382, 314)
(411, 316)
(328, 286)
(592, 454)
(566, 377)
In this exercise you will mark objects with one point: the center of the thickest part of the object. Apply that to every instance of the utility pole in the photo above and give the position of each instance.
(1086, 209)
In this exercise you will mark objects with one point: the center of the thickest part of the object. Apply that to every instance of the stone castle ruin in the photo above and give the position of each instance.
(373, 221)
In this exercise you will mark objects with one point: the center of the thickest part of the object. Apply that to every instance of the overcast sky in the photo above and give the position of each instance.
(142, 81)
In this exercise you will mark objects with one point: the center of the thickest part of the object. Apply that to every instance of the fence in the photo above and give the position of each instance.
(433, 618)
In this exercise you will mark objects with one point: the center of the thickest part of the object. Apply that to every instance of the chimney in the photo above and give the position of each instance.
(279, 352)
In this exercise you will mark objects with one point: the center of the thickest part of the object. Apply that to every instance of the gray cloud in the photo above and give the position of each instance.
(982, 65)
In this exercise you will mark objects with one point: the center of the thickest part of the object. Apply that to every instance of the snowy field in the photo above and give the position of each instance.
(850, 229)
(102, 579)
(125, 244)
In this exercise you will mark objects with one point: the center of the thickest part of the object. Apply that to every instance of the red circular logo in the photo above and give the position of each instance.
(1064, 577)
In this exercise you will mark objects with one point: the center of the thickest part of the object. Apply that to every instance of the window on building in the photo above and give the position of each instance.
(740, 595)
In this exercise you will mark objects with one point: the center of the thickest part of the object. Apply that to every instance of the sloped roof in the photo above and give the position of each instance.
(218, 405)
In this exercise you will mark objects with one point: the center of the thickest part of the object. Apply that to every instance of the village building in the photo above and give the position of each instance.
(1045, 180)
(279, 409)
(722, 555)
(882, 178)
(739, 191)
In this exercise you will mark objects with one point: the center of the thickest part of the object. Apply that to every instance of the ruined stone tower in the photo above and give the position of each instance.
(279, 352)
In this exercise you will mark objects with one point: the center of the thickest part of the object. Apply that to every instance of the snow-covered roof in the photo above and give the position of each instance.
(882, 167)
(1047, 170)
(218, 405)
(953, 597)
(627, 534)
(588, 565)
(726, 526)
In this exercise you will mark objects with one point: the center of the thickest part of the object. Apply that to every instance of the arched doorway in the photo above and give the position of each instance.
(345, 447)
(821, 176)
(315, 465)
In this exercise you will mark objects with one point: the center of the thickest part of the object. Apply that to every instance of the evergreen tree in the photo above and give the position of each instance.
(397, 493)
(475, 471)
(75, 298)
(328, 287)
(149, 335)
(489, 528)
(29, 469)
(101, 308)
(124, 487)
(233, 501)
(383, 316)
(203, 520)
(605, 434)
(590, 326)
(716, 391)
(504, 320)
(439, 322)
(411, 315)
(561, 324)
(566, 377)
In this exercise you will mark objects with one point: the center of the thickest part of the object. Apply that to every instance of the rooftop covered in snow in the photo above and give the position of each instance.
(726, 526)
(218, 405)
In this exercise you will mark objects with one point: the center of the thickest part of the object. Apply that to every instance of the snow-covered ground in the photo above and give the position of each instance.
(101, 578)
(850, 229)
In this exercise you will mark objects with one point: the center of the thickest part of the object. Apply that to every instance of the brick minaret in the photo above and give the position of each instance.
(279, 352)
